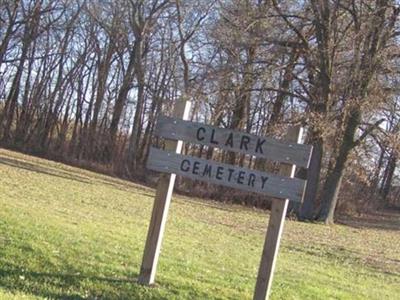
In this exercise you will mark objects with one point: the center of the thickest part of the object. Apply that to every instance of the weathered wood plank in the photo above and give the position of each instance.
(227, 175)
(161, 205)
(269, 148)
(275, 229)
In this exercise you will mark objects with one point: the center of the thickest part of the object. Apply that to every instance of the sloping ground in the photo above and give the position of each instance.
(68, 233)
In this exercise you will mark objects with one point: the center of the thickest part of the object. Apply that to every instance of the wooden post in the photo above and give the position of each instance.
(275, 228)
(160, 207)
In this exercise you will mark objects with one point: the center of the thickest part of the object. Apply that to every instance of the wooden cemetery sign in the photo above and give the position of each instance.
(171, 163)
(226, 175)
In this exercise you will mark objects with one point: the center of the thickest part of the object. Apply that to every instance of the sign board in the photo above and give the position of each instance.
(265, 147)
(226, 175)
(170, 163)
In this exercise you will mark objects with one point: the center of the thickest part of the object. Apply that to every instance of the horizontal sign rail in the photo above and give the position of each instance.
(269, 148)
(227, 175)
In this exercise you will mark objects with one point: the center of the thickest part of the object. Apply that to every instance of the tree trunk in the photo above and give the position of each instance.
(61, 139)
(102, 75)
(276, 114)
(334, 177)
(378, 168)
(84, 132)
(307, 209)
(242, 105)
(30, 33)
(11, 103)
(133, 154)
(23, 122)
(118, 108)
(389, 173)
(9, 32)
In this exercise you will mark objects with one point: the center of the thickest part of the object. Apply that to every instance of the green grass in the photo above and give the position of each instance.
(68, 233)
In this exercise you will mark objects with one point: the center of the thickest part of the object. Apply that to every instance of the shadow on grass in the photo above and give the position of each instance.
(386, 219)
(58, 171)
(73, 286)
(348, 257)
(42, 170)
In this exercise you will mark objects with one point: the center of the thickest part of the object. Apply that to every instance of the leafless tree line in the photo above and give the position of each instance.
(86, 80)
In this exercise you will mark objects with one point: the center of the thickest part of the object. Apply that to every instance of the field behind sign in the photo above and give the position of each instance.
(72, 234)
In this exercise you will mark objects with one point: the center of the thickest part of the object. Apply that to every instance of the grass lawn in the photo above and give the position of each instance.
(68, 233)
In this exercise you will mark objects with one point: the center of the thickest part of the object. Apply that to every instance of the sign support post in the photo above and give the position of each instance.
(275, 228)
(161, 205)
